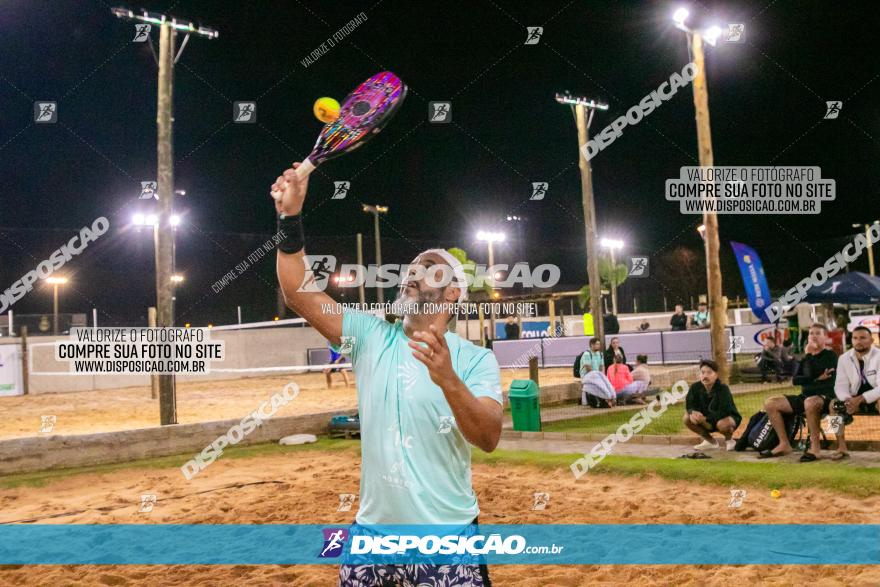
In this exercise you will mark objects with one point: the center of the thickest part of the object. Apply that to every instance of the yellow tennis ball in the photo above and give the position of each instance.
(775, 493)
(326, 110)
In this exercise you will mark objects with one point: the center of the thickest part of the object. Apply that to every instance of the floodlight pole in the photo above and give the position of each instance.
(164, 231)
(580, 106)
(717, 305)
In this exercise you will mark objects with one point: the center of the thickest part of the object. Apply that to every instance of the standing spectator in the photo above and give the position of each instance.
(771, 360)
(610, 324)
(614, 350)
(710, 408)
(679, 320)
(815, 375)
(701, 317)
(858, 381)
(511, 329)
(336, 358)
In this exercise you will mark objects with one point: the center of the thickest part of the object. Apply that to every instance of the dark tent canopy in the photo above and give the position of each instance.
(847, 288)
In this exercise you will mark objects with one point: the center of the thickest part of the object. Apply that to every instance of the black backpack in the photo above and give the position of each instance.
(577, 366)
(760, 435)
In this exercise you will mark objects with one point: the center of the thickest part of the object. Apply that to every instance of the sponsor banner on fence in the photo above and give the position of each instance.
(285, 544)
(10, 370)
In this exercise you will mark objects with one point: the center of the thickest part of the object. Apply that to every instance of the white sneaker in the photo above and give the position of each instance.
(706, 445)
(731, 444)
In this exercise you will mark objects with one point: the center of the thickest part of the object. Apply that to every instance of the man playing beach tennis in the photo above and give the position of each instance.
(424, 395)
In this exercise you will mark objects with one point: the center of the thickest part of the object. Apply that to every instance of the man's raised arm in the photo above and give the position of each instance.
(313, 306)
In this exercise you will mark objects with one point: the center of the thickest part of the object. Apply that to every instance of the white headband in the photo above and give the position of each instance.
(459, 279)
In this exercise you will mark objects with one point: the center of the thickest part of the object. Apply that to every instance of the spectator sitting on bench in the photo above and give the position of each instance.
(710, 408)
(593, 379)
(857, 385)
(622, 380)
(614, 350)
(815, 375)
(771, 360)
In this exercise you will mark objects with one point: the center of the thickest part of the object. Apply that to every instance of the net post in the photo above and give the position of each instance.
(24, 361)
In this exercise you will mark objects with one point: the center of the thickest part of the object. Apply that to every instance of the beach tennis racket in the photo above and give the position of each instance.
(365, 112)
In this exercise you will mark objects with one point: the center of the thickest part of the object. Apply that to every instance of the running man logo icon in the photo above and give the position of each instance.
(736, 498)
(440, 112)
(347, 344)
(346, 500)
(47, 423)
(318, 271)
(141, 33)
(539, 190)
(833, 109)
(45, 112)
(736, 343)
(834, 424)
(541, 501)
(735, 32)
(446, 424)
(148, 500)
(638, 267)
(533, 34)
(149, 190)
(244, 112)
(334, 540)
(340, 189)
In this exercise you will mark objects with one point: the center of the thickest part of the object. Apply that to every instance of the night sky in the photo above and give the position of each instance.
(442, 182)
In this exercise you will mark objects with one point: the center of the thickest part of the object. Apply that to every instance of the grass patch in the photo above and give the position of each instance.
(847, 479)
(669, 423)
(42, 478)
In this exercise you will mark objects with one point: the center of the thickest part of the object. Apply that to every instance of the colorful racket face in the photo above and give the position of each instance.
(364, 113)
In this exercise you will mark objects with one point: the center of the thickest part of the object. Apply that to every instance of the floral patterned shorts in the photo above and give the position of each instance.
(414, 576)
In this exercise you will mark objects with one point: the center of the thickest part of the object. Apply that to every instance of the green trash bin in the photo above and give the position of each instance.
(524, 405)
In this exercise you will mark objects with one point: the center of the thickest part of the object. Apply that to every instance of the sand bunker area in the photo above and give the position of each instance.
(302, 486)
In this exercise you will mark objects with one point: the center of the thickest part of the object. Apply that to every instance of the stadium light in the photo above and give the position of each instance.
(175, 220)
(680, 15)
(490, 237)
(177, 278)
(55, 282)
(711, 35)
(611, 243)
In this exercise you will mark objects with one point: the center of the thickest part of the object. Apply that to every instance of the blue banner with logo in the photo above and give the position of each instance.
(555, 544)
(754, 280)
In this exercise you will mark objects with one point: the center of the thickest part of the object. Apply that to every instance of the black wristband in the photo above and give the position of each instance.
(293, 238)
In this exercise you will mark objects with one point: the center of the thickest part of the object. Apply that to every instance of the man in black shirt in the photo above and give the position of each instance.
(710, 408)
(679, 320)
(815, 375)
(511, 329)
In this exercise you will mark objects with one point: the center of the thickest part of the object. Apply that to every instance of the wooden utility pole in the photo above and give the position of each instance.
(164, 231)
(590, 224)
(717, 309)
(154, 379)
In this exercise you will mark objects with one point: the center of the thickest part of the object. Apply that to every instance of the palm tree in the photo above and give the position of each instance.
(608, 274)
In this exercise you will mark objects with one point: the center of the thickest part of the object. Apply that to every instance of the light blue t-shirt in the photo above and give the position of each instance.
(415, 463)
